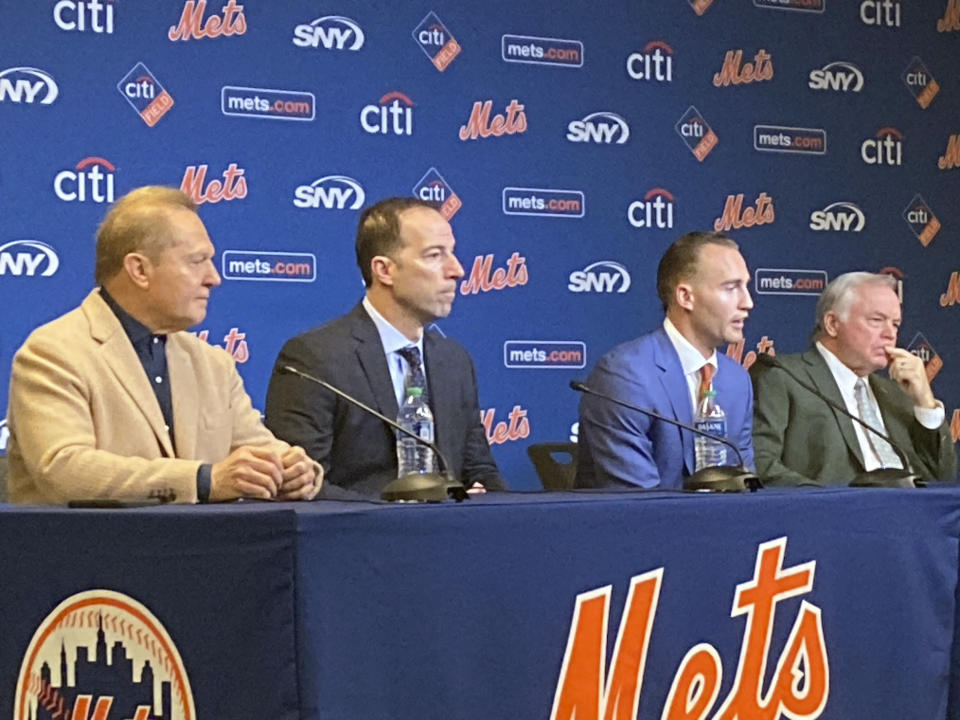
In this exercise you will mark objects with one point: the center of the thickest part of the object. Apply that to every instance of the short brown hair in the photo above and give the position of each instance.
(378, 231)
(136, 223)
(679, 262)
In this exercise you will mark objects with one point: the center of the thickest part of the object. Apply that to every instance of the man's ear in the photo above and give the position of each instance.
(138, 268)
(381, 269)
(683, 295)
(831, 322)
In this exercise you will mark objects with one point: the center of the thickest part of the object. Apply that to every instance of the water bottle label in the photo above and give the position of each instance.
(714, 427)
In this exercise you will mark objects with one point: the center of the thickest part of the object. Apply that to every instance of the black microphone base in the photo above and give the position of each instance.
(725, 478)
(887, 478)
(423, 487)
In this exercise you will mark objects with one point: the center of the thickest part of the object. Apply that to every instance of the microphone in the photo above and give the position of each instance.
(423, 487)
(726, 478)
(882, 477)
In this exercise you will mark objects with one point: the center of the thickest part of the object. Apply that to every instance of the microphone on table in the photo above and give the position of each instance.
(724, 478)
(423, 487)
(881, 477)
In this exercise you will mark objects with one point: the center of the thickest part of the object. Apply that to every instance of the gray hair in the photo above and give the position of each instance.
(838, 295)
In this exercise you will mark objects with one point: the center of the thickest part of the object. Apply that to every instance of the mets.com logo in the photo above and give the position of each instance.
(72, 640)
(262, 265)
(784, 139)
(783, 281)
(543, 201)
(267, 103)
(541, 50)
(554, 354)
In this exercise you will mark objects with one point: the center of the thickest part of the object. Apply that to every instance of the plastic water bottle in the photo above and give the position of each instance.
(712, 419)
(416, 417)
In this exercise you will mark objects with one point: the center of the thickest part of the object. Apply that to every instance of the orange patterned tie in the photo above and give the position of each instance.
(706, 378)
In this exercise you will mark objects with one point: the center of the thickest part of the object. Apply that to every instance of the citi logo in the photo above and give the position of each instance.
(603, 276)
(696, 133)
(83, 15)
(483, 278)
(884, 13)
(921, 220)
(920, 83)
(191, 25)
(951, 156)
(142, 88)
(333, 32)
(885, 149)
(921, 347)
(839, 76)
(232, 187)
(27, 257)
(91, 179)
(433, 188)
(27, 85)
(951, 17)
(838, 217)
(735, 216)
(654, 211)
(600, 127)
(480, 124)
(393, 114)
(737, 72)
(654, 63)
(331, 192)
(436, 41)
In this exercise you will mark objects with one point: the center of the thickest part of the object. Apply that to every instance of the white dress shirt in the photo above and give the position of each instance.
(690, 360)
(392, 341)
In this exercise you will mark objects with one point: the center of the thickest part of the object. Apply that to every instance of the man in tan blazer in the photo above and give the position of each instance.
(115, 401)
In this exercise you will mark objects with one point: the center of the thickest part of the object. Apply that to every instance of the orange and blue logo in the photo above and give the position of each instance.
(737, 72)
(433, 188)
(700, 6)
(920, 83)
(192, 25)
(921, 220)
(515, 427)
(483, 278)
(232, 186)
(950, 21)
(145, 94)
(481, 125)
(432, 36)
(696, 133)
(736, 217)
(951, 156)
(932, 362)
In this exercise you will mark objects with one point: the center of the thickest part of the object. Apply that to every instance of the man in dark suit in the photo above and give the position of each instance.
(800, 440)
(405, 250)
(702, 282)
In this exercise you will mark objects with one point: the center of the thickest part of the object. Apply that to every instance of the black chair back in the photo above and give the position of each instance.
(556, 464)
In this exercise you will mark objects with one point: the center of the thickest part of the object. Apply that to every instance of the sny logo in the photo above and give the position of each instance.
(334, 32)
(23, 85)
(654, 211)
(951, 17)
(541, 50)
(886, 149)
(603, 276)
(880, 12)
(922, 348)
(840, 75)
(483, 280)
(952, 295)
(696, 134)
(838, 217)
(921, 220)
(920, 83)
(233, 186)
(84, 181)
(333, 192)
(24, 257)
(735, 217)
(192, 26)
(517, 427)
(392, 114)
(737, 72)
(481, 126)
(433, 188)
(549, 202)
(145, 94)
(81, 15)
(436, 41)
(599, 127)
(654, 63)
(951, 157)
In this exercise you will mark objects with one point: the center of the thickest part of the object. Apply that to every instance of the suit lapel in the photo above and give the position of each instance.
(440, 378)
(185, 393)
(674, 384)
(372, 360)
(823, 380)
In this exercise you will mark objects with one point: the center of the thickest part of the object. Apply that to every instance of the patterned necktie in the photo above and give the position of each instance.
(706, 379)
(415, 376)
(888, 458)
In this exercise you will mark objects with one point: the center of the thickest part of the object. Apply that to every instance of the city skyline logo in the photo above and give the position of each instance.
(192, 25)
(145, 94)
(393, 114)
(433, 188)
(267, 103)
(603, 128)
(921, 347)
(735, 216)
(483, 278)
(92, 179)
(233, 186)
(436, 41)
(602, 276)
(696, 134)
(923, 223)
(26, 258)
(481, 125)
(331, 192)
(331, 32)
(271, 266)
(839, 76)
(655, 211)
(547, 202)
(886, 148)
(25, 84)
(789, 281)
(737, 72)
(83, 15)
(654, 62)
(920, 83)
(787, 139)
(549, 354)
(838, 217)
(541, 50)
(880, 13)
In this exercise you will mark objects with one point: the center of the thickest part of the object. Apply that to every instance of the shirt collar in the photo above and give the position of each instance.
(135, 330)
(845, 377)
(391, 338)
(690, 358)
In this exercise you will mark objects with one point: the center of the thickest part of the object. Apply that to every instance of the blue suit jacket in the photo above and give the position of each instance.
(623, 448)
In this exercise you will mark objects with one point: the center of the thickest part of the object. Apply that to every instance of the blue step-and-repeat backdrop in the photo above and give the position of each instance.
(569, 144)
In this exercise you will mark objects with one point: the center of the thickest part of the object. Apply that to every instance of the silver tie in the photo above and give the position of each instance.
(888, 458)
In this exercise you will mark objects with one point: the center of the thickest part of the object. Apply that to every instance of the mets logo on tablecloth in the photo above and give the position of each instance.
(101, 655)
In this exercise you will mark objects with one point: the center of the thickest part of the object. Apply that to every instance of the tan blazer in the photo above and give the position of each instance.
(84, 422)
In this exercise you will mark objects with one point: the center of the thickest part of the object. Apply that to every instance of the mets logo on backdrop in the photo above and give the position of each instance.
(921, 220)
(920, 83)
(951, 158)
(951, 17)
(433, 188)
(483, 278)
(232, 187)
(145, 94)
(922, 348)
(735, 216)
(696, 134)
(436, 41)
(191, 23)
(481, 125)
(101, 639)
(952, 295)
(700, 6)
(736, 72)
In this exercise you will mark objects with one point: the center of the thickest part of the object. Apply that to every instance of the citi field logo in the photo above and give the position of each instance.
(737, 72)
(952, 295)
(921, 220)
(233, 186)
(551, 354)
(91, 180)
(951, 157)
(541, 50)
(920, 83)
(433, 188)
(735, 216)
(331, 192)
(140, 88)
(603, 276)
(483, 278)
(779, 281)
(654, 63)
(234, 342)
(27, 85)
(432, 36)
(270, 266)
(655, 211)
(838, 217)
(515, 427)
(331, 32)
(267, 103)
(787, 139)
(547, 202)
(84, 15)
(392, 115)
(603, 128)
(816, 6)
(230, 22)
(838, 76)
(700, 6)
(880, 13)
(481, 125)
(28, 258)
(74, 639)
(951, 17)
(885, 149)
(696, 133)
(932, 362)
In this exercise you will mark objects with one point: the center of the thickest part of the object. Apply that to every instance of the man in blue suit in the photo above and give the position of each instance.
(702, 281)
